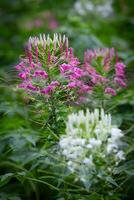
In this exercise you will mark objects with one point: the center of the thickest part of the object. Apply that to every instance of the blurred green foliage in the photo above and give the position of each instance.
(26, 170)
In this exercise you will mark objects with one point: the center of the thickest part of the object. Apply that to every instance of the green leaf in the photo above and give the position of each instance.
(130, 172)
(111, 180)
(4, 179)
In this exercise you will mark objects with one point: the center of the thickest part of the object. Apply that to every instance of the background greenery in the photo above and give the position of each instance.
(23, 159)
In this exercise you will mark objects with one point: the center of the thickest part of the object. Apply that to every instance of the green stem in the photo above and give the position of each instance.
(43, 182)
(52, 104)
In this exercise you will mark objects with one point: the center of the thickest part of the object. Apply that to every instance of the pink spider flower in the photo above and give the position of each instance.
(34, 65)
(97, 78)
(85, 89)
(31, 87)
(74, 62)
(78, 72)
(74, 84)
(50, 87)
(120, 69)
(120, 81)
(23, 85)
(50, 65)
(23, 75)
(47, 90)
(65, 67)
(20, 66)
(103, 68)
(41, 73)
(111, 91)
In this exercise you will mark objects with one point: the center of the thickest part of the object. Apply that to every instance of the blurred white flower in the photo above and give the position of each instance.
(103, 9)
(120, 155)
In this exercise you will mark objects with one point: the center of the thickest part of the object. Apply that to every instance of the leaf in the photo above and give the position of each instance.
(93, 196)
(4, 179)
(21, 176)
(130, 172)
(111, 180)
(25, 156)
(32, 139)
(128, 165)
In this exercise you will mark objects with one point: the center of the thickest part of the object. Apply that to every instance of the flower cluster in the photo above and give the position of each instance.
(91, 144)
(104, 69)
(49, 64)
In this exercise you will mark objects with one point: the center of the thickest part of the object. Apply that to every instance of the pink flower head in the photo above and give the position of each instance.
(74, 62)
(85, 89)
(96, 78)
(104, 53)
(65, 67)
(54, 83)
(89, 69)
(50, 87)
(74, 84)
(20, 66)
(47, 90)
(23, 75)
(31, 87)
(22, 85)
(101, 65)
(120, 81)
(41, 73)
(78, 72)
(110, 90)
(49, 65)
(120, 69)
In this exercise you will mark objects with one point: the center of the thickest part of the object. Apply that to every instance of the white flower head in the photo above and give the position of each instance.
(94, 142)
(120, 155)
(111, 147)
(90, 140)
(88, 161)
(116, 133)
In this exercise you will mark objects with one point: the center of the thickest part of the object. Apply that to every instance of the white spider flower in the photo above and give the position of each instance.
(88, 161)
(116, 133)
(111, 147)
(90, 141)
(95, 143)
(120, 155)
